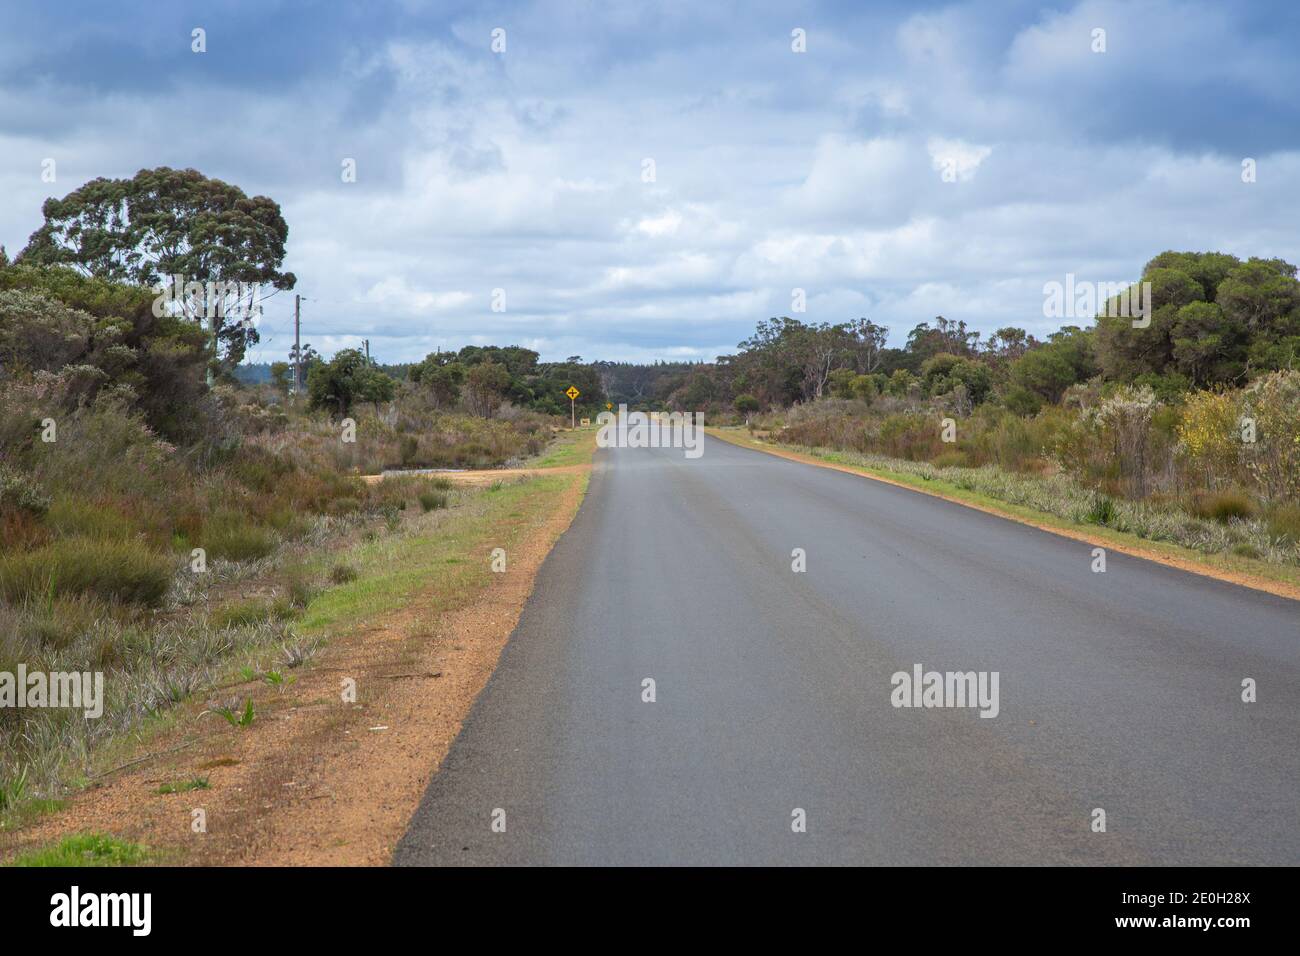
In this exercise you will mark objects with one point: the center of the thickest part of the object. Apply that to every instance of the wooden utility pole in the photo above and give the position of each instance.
(297, 346)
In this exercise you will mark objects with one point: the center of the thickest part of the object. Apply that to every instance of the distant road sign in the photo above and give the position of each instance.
(609, 405)
(572, 393)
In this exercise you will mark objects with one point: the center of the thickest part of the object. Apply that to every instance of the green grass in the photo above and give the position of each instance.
(568, 448)
(85, 849)
(27, 812)
(455, 557)
(253, 611)
(184, 786)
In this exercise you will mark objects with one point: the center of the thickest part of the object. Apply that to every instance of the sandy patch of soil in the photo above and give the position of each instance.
(489, 475)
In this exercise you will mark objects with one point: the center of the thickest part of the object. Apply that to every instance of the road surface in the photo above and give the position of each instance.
(1118, 691)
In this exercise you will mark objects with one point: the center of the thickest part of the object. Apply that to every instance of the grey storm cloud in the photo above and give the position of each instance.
(774, 170)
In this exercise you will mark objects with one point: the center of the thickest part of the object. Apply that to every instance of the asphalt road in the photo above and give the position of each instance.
(1119, 691)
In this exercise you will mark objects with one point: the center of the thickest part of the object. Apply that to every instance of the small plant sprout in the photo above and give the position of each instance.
(235, 718)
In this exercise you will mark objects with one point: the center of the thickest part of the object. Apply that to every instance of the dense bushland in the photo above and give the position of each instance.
(139, 505)
(1230, 456)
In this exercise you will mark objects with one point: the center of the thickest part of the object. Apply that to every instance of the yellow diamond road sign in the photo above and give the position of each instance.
(572, 393)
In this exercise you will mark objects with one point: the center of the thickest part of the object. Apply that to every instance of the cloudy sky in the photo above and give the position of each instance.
(918, 159)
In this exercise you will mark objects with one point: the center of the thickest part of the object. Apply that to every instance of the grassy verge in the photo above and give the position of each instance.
(569, 448)
(436, 560)
(251, 623)
(1281, 579)
(85, 849)
(452, 557)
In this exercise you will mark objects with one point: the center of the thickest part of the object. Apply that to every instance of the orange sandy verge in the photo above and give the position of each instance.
(1256, 582)
(487, 476)
(313, 781)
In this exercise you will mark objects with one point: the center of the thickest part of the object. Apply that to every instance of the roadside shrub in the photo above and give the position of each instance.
(21, 530)
(48, 623)
(951, 459)
(1102, 511)
(1208, 435)
(299, 591)
(228, 535)
(72, 517)
(432, 500)
(1284, 522)
(121, 571)
(1273, 403)
(1221, 505)
(20, 493)
(343, 573)
(240, 614)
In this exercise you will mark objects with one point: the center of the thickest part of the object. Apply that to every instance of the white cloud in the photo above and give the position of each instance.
(961, 158)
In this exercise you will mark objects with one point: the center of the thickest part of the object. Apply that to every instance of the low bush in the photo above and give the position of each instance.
(73, 517)
(299, 591)
(951, 459)
(241, 614)
(121, 571)
(432, 500)
(1221, 505)
(1284, 523)
(230, 536)
(343, 573)
(20, 493)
